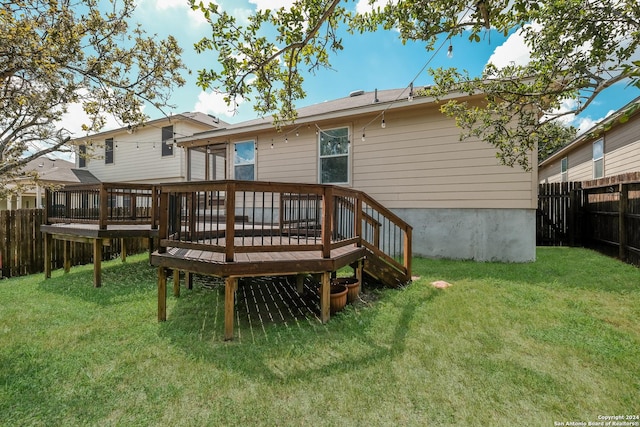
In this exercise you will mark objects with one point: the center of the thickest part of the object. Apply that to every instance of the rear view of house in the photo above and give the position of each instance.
(400, 150)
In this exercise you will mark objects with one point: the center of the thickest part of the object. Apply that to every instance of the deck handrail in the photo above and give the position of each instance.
(102, 204)
(233, 217)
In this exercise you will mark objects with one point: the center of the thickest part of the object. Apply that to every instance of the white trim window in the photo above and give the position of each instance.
(244, 161)
(598, 159)
(333, 156)
(564, 169)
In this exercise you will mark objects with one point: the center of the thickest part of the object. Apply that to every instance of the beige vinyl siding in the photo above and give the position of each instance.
(622, 149)
(621, 154)
(416, 161)
(293, 161)
(623, 160)
(136, 160)
(580, 165)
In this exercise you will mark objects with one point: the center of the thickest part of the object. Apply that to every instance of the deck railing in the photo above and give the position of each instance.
(102, 204)
(233, 217)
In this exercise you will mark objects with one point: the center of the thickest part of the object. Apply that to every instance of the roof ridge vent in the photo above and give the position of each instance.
(356, 93)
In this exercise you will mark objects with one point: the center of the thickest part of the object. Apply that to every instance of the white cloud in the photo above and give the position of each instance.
(272, 4)
(513, 51)
(214, 103)
(363, 6)
(75, 116)
(170, 4)
(581, 123)
(196, 17)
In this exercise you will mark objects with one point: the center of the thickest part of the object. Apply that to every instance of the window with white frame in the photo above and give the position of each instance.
(333, 146)
(598, 159)
(564, 169)
(244, 161)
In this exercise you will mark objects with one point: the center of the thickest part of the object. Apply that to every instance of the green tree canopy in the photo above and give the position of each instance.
(57, 53)
(578, 48)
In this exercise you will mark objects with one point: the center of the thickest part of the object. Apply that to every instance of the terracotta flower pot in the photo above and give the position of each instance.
(352, 284)
(338, 298)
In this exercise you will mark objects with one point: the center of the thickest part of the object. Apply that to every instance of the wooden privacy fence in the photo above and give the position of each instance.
(602, 214)
(612, 220)
(22, 245)
(558, 217)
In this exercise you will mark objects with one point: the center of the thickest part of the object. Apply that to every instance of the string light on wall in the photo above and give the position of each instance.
(383, 124)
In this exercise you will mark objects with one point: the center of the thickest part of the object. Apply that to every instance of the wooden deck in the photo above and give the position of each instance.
(238, 229)
(94, 235)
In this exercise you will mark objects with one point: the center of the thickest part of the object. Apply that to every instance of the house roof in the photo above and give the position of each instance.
(358, 102)
(195, 116)
(54, 170)
(594, 132)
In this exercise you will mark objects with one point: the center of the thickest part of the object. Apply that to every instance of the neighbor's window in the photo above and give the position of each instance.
(244, 161)
(108, 151)
(167, 141)
(564, 169)
(82, 156)
(598, 158)
(334, 156)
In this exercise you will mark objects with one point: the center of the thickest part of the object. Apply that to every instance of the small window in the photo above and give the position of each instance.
(334, 156)
(82, 156)
(244, 161)
(598, 159)
(108, 151)
(167, 141)
(564, 169)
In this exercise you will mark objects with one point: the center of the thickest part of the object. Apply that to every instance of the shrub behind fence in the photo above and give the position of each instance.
(22, 245)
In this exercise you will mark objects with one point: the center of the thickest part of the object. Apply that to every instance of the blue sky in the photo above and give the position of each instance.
(369, 61)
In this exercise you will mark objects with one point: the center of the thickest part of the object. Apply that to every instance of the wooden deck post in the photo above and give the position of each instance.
(97, 263)
(176, 282)
(188, 279)
(67, 256)
(123, 249)
(162, 294)
(230, 213)
(358, 272)
(327, 221)
(102, 214)
(230, 285)
(325, 295)
(48, 249)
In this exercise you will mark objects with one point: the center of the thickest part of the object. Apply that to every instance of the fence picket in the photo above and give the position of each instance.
(22, 245)
(601, 214)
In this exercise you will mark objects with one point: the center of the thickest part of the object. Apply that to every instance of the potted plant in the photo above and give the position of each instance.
(352, 284)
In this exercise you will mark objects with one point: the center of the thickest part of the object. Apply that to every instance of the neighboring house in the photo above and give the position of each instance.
(404, 153)
(51, 171)
(143, 154)
(610, 148)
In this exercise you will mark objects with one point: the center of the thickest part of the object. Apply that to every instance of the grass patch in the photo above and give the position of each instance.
(508, 344)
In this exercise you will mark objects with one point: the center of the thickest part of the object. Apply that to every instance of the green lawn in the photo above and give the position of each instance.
(553, 341)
